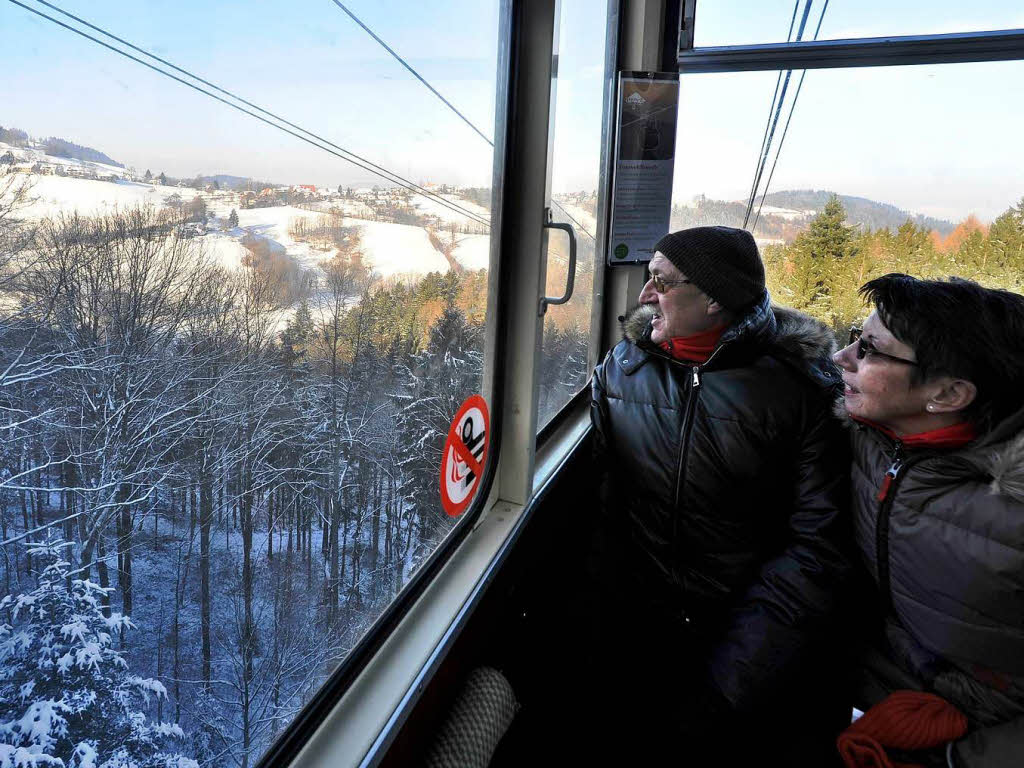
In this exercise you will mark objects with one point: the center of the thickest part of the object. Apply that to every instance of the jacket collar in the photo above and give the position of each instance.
(998, 454)
(790, 334)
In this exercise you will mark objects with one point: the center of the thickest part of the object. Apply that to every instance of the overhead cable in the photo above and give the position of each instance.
(570, 217)
(775, 120)
(785, 130)
(415, 74)
(341, 152)
(771, 109)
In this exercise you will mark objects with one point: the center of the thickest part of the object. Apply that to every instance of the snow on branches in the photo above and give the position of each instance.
(66, 696)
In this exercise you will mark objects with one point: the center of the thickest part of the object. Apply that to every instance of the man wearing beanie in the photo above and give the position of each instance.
(719, 551)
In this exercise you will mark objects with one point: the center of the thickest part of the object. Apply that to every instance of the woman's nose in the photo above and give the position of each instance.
(844, 359)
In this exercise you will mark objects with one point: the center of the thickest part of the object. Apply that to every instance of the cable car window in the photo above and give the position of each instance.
(881, 170)
(243, 285)
(574, 167)
(741, 22)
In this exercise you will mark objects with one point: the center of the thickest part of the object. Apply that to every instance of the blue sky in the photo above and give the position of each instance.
(939, 140)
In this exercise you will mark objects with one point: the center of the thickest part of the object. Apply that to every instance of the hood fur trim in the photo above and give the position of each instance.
(801, 335)
(1008, 469)
(797, 335)
(635, 322)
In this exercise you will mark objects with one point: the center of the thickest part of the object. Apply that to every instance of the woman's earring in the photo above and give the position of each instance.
(930, 407)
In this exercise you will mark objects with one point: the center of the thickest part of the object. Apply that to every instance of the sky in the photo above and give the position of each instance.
(939, 140)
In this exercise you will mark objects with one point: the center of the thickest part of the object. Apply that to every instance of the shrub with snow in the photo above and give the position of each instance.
(66, 696)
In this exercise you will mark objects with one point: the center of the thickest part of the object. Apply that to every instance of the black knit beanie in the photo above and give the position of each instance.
(721, 261)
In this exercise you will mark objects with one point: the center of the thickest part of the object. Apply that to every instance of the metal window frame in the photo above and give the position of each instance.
(958, 47)
(303, 729)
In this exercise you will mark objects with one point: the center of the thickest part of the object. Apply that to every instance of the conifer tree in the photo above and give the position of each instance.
(233, 218)
(66, 696)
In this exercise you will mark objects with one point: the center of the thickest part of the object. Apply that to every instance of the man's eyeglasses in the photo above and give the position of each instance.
(865, 348)
(661, 284)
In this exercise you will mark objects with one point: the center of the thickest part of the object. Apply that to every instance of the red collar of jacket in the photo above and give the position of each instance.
(953, 436)
(696, 348)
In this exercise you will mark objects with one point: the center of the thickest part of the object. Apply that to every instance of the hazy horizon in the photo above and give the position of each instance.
(935, 140)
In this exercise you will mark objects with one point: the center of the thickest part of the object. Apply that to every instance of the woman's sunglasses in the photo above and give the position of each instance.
(865, 347)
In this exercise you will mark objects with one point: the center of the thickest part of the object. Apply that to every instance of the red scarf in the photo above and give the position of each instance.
(905, 720)
(953, 436)
(696, 348)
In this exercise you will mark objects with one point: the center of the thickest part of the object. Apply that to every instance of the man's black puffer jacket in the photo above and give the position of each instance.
(723, 507)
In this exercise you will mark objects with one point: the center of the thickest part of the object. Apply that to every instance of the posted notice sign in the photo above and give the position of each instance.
(645, 152)
(465, 455)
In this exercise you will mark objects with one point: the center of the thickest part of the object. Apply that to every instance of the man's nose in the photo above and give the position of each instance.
(647, 294)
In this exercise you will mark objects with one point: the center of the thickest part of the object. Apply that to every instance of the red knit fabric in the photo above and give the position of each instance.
(696, 348)
(908, 720)
(952, 436)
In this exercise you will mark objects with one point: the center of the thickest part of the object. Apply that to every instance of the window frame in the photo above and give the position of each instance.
(298, 733)
(892, 50)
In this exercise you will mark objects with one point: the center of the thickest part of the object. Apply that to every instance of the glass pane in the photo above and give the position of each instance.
(747, 22)
(922, 187)
(575, 167)
(228, 358)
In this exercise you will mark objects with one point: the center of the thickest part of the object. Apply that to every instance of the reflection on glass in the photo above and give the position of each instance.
(879, 173)
(575, 167)
(745, 22)
(228, 362)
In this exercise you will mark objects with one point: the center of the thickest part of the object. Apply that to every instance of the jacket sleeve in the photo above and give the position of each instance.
(1000, 746)
(780, 630)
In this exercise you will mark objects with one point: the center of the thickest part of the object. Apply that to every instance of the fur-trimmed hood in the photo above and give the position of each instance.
(1007, 469)
(795, 334)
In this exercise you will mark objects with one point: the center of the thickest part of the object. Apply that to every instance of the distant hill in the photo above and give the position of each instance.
(867, 213)
(861, 212)
(13, 136)
(228, 182)
(63, 148)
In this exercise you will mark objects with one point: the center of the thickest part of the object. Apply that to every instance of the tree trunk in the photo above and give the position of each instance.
(205, 523)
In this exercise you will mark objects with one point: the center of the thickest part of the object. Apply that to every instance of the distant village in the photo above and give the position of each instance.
(22, 155)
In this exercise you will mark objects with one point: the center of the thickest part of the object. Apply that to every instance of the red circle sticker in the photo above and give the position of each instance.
(465, 455)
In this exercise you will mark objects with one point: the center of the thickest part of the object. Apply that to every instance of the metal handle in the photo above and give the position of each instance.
(546, 300)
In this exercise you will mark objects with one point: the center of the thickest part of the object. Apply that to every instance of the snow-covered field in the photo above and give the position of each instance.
(473, 251)
(55, 194)
(434, 208)
(391, 249)
(785, 213)
(399, 249)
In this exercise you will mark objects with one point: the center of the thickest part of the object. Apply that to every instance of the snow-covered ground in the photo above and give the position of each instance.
(398, 249)
(55, 194)
(431, 207)
(31, 155)
(785, 213)
(390, 249)
(473, 251)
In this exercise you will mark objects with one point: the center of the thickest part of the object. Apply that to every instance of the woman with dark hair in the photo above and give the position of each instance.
(934, 392)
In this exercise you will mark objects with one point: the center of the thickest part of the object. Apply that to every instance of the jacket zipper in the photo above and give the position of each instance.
(886, 496)
(684, 454)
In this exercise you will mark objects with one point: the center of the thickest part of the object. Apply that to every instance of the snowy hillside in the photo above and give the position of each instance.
(391, 249)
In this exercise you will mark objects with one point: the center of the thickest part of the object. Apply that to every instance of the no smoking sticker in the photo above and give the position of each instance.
(465, 455)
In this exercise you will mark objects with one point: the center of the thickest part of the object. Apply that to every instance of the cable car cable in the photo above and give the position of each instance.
(570, 216)
(451, 106)
(360, 162)
(785, 130)
(416, 74)
(775, 120)
(771, 108)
